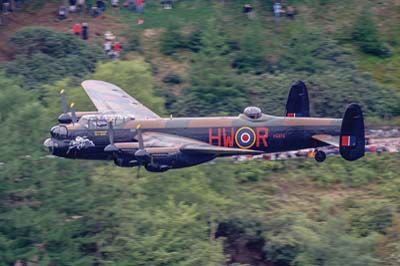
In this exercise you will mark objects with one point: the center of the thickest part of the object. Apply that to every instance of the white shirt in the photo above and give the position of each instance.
(107, 46)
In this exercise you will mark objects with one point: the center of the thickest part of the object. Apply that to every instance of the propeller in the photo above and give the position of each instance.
(64, 118)
(63, 102)
(140, 137)
(74, 119)
(141, 154)
(111, 147)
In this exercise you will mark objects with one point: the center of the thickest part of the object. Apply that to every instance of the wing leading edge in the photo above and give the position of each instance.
(109, 97)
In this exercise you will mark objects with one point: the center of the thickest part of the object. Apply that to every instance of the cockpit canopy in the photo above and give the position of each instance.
(252, 112)
(101, 120)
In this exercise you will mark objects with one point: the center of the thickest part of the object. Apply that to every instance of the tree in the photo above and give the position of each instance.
(251, 57)
(214, 88)
(171, 40)
(367, 36)
(44, 56)
(294, 239)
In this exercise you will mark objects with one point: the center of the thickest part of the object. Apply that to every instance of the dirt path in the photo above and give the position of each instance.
(47, 17)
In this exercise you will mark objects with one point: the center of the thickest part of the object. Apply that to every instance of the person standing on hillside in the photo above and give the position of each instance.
(139, 6)
(81, 6)
(247, 9)
(6, 6)
(114, 3)
(72, 5)
(277, 10)
(107, 47)
(116, 48)
(85, 31)
(290, 12)
(77, 29)
(131, 5)
(101, 6)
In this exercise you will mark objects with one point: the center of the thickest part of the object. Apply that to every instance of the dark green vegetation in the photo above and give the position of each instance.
(64, 212)
(44, 56)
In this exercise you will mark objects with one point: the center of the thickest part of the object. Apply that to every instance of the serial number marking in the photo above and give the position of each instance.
(279, 136)
(100, 133)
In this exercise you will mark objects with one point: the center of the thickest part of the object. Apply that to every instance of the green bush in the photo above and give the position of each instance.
(331, 76)
(45, 56)
(372, 216)
(214, 87)
(194, 41)
(294, 239)
(171, 40)
(133, 43)
(251, 57)
(367, 36)
(172, 78)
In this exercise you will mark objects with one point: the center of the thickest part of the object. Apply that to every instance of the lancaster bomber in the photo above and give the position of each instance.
(130, 134)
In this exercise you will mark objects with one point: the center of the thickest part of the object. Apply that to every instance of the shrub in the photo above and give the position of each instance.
(45, 56)
(367, 36)
(194, 42)
(133, 43)
(172, 78)
(171, 40)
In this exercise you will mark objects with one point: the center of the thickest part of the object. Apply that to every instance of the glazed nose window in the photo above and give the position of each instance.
(59, 132)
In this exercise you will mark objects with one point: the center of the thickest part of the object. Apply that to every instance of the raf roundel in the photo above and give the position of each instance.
(245, 137)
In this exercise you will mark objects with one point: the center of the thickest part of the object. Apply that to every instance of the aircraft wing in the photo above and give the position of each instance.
(162, 142)
(329, 139)
(109, 97)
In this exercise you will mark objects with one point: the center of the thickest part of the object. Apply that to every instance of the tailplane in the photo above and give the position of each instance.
(352, 138)
(297, 103)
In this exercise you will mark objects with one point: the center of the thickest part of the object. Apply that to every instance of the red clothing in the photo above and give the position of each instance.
(117, 47)
(77, 28)
(139, 2)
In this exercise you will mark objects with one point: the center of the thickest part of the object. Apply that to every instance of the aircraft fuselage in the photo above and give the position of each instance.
(267, 134)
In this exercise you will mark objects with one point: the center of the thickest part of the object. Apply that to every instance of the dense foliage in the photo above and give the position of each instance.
(43, 56)
(366, 35)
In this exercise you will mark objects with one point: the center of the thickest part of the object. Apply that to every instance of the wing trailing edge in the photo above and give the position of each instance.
(328, 139)
(221, 151)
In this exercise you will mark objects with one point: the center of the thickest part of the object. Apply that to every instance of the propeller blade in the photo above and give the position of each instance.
(64, 118)
(141, 155)
(140, 138)
(110, 147)
(63, 102)
(73, 113)
(111, 131)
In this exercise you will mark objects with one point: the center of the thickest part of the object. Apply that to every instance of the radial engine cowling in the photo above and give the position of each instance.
(125, 162)
(64, 119)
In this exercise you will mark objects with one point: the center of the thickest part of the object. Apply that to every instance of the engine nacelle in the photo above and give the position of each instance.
(125, 162)
(157, 168)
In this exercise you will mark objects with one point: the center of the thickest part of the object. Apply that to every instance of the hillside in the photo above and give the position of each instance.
(200, 58)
